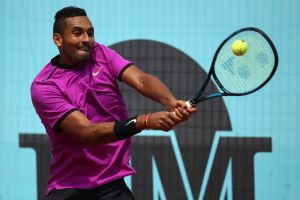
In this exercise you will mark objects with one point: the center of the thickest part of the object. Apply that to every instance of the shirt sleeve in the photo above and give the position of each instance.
(118, 64)
(50, 104)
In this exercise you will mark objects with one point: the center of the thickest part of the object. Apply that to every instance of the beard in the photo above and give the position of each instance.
(82, 56)
(79, 56)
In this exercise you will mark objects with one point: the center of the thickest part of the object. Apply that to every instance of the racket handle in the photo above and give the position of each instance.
(189, 104)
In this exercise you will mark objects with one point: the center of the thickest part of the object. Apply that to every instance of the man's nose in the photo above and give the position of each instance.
(85, 37)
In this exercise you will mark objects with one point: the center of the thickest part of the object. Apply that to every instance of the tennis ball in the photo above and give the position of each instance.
(239, 47)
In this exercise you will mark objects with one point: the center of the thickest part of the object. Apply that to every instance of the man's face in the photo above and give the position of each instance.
(77, 40)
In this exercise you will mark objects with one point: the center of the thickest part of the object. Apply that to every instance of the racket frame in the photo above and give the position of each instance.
(197, 98)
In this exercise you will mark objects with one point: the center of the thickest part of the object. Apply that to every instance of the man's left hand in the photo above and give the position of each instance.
(182, 110)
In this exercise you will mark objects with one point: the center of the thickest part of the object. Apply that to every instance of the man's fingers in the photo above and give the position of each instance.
(167, 120)
(182, 104)
(192, 110)
(177, 117)
(178, 113)
(171, 119)
(183, 113)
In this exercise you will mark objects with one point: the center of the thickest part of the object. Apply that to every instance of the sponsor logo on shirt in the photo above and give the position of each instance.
(98, 71)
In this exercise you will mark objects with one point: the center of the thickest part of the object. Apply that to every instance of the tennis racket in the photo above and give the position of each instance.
(237, 75)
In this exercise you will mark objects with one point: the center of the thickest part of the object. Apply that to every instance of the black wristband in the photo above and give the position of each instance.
(126, 128)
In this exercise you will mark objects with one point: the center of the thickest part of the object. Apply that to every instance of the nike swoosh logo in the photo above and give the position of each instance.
(97, 72)
(133, 120)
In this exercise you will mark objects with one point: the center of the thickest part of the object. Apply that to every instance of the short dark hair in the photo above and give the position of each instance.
(61, 15)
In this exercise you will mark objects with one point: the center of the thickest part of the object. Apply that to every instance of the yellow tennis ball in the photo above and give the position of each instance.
(239, 47)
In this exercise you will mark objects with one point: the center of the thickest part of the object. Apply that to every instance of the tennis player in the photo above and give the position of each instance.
(77, 98)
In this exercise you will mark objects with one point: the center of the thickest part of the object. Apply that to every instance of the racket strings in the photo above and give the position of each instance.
(242, 74)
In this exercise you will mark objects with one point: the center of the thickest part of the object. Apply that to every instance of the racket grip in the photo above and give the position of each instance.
(188, 104)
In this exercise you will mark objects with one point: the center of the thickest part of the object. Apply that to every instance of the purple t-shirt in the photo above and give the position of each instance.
(92, 90)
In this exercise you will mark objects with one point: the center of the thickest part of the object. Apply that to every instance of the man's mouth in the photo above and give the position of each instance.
(87, 49)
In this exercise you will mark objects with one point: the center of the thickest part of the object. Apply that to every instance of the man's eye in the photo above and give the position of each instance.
(77, 33)
(91, 34)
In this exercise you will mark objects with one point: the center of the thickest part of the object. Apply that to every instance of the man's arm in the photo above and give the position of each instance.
(150, 86)
(77, 125)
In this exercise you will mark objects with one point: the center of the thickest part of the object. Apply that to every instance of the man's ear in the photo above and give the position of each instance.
(57, 38)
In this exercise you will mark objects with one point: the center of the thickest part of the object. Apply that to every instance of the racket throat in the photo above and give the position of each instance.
(193, 102)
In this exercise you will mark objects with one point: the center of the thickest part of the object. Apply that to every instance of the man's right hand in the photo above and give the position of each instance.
(161, 120)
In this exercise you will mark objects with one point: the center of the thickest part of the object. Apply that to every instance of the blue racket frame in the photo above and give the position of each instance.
(197, 98)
